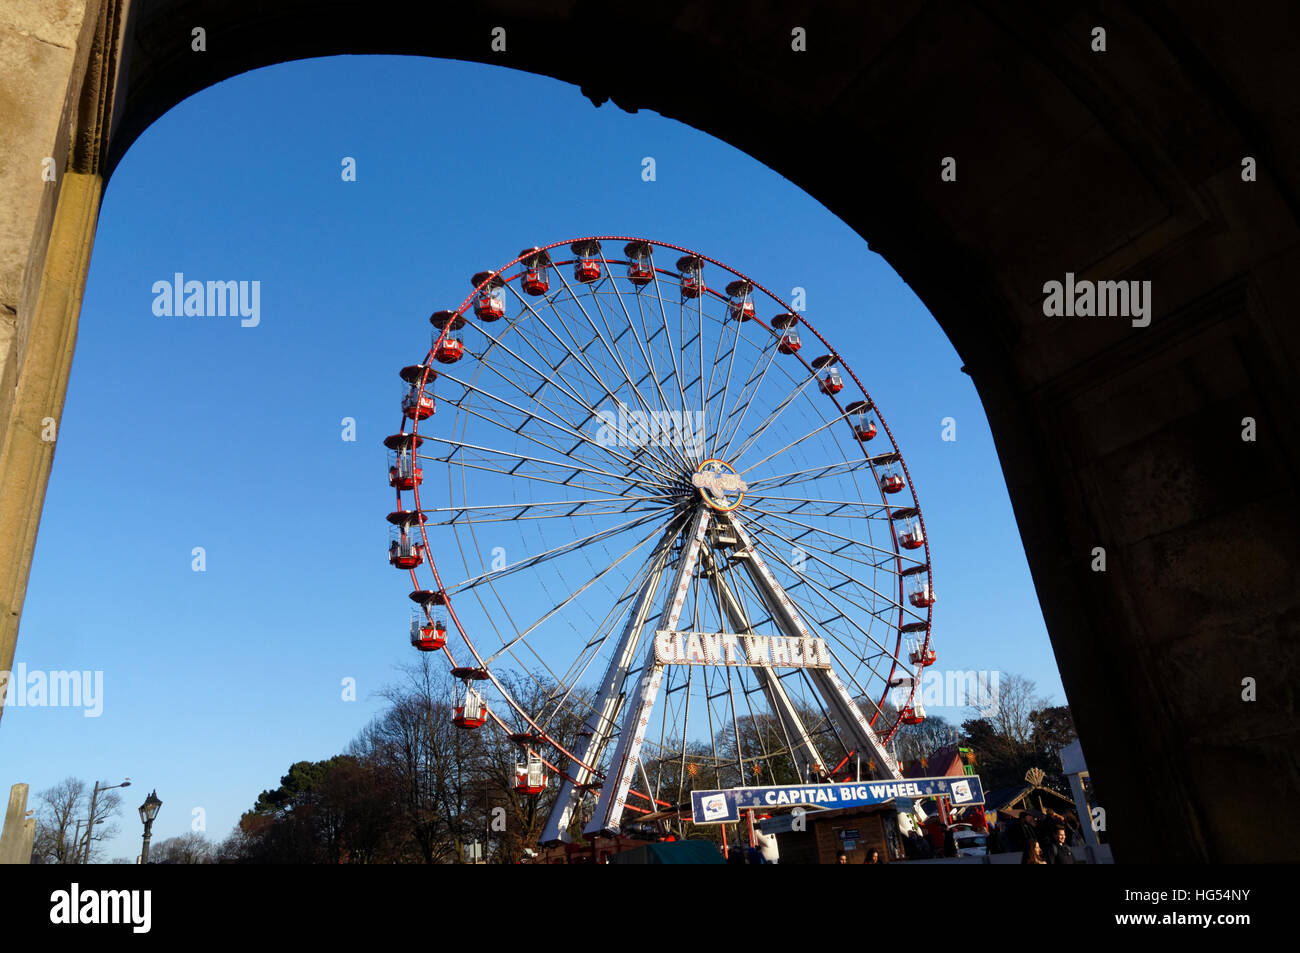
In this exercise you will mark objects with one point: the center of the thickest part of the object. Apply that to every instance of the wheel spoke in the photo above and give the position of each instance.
(530, 561)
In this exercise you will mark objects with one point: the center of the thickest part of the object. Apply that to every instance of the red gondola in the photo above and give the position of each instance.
(587, 268)
(864, 428)
(403, 473)
(917, 633)
(740, 303)
(537, 271)
(450, 350)
(428, 636)
(417, 406)
(691, 270)
(640, 265)
(917, 582)
(490, 302)
(788, 343)
(448, 346)
(909, 716)
(910, 533)
(889, 473)
(405, 553)
(829, 381)
(417, 402)
(403, 550)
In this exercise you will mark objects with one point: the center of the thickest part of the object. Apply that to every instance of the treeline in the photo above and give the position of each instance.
(1016, 730)
(411, 788)
(414, 788)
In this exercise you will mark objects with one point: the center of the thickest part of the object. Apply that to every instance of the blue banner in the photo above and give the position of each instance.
(722, 807)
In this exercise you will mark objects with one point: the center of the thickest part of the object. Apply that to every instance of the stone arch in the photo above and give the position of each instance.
(1118, 165)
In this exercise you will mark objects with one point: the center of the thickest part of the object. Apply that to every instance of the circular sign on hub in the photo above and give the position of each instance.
(719, 484)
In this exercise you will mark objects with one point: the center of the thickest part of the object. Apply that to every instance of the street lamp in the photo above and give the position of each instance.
(94, 797)
(148, 811)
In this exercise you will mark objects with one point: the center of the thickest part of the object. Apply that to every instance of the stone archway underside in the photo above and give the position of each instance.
(1116, 165)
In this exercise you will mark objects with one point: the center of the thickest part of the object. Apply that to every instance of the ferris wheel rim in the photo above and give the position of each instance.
(502, 276)
(744, 280)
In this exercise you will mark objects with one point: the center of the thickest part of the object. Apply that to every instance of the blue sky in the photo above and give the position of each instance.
(189, 431)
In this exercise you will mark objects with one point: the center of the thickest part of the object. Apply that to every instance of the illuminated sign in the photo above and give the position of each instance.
(721, 807)
(728, 648)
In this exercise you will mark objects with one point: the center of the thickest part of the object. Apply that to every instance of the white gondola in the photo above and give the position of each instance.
(530, 777)
(472, 713)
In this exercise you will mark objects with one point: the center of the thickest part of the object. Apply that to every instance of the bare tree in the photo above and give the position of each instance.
(57, 816)
(189, 848)
(914, 742)
(235, 848)
(61, 822)
(449, 787)
(1009, 705)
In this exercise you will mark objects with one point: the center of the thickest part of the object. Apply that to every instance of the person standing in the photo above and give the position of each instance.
(1025, 829)
(1059, 852)
(997, 839)
(1033, 854)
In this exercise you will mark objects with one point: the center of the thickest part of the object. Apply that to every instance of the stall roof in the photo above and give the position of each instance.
(944, 762)
(1006, 799)
(672, 852)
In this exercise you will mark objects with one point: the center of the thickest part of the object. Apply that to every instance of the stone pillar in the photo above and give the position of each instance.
(28, 450)
(19, 830)
(58, 69)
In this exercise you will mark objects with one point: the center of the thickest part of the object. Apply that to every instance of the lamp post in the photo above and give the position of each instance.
(148, 811)
(90, 823)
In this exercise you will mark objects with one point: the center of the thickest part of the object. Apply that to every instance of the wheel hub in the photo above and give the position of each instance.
(720, 486)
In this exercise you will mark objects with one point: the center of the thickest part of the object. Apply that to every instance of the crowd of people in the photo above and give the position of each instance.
(1039, 839)
(1048, 839)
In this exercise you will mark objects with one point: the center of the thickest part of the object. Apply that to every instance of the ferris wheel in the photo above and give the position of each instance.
(660, 532)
